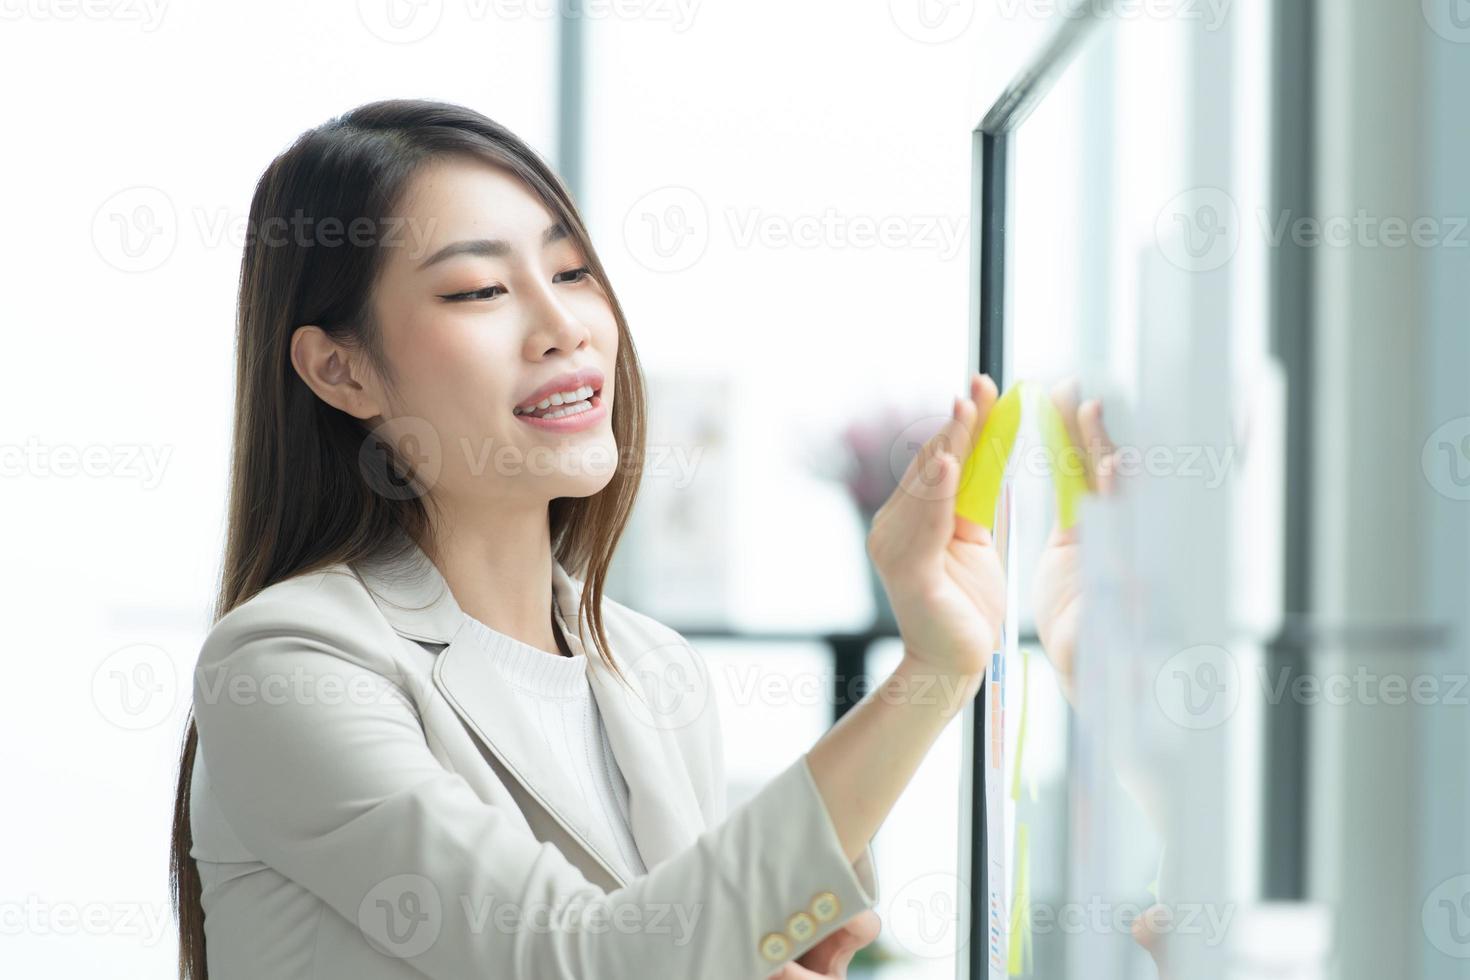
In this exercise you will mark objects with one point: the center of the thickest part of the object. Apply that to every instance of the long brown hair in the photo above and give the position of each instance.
(300, 498)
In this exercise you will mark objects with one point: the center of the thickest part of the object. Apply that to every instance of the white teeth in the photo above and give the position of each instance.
(576, 408)
(578, 397)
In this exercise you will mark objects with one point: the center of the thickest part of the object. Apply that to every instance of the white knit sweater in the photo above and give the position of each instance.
(555, 693)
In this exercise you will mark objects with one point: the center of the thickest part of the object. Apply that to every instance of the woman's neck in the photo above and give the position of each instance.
(501, 573)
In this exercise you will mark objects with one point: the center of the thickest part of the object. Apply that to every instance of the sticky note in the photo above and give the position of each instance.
(1068, 478)
(1019, 960)
(1021, 725)
(985, 467)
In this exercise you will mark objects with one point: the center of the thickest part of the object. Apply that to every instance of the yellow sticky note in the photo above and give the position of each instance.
(1021, 725)
(985, 467)
(1067, 475)
(1019, 960)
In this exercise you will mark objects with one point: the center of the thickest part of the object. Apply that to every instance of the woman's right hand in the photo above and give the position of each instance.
(942, 573)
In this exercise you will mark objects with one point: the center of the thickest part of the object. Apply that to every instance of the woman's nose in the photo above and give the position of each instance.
(555, 321)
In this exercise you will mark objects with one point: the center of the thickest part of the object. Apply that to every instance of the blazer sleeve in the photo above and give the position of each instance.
(718, 790)
(320, 765)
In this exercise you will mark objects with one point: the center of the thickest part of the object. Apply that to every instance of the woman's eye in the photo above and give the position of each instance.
(490, 292)
(573, 275)
(487, 293)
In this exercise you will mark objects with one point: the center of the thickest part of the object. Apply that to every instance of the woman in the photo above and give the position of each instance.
(423, 743)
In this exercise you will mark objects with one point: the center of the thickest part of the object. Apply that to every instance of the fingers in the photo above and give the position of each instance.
(864, 928)
(930, 480)
(958, 435)
(1064, 395)
(972, 413)
(1084, 425)
(983, 394)
(921, 473)
(933, 473)
(1149, 932)
(962, 431)
(830, 957)
(919, 519)
(1099, 447)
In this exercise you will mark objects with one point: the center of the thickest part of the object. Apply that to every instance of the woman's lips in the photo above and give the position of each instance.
(571, 423)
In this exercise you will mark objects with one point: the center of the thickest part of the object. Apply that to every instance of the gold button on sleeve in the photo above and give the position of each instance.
(801, 927)
(775, 947)
(826, 906)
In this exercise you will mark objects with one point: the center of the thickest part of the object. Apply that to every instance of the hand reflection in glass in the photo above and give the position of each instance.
(1058, 597)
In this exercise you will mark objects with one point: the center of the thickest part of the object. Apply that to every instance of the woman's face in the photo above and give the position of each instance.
(486, 303)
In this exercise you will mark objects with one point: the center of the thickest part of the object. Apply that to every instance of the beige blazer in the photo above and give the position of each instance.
(368, 802)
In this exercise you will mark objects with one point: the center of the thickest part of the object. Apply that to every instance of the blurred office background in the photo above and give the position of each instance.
(786, 196)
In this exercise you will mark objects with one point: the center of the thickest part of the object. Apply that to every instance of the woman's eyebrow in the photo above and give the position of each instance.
(489, 247)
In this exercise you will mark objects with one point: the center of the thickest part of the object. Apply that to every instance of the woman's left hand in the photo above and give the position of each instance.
(830, 957)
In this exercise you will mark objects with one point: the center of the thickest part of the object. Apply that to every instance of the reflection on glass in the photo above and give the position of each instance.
(1115, 780)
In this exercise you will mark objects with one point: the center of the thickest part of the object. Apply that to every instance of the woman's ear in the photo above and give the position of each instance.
(330, 369)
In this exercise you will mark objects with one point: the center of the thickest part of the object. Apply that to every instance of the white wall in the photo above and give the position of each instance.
(159, 126)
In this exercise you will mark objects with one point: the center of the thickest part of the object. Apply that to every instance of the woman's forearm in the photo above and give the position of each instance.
(864, 762)
(946, 583)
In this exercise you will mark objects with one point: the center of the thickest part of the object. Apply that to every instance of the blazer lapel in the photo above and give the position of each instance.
(465, 673)
(664, 816)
